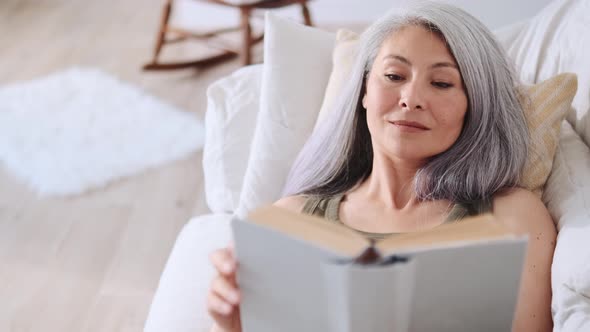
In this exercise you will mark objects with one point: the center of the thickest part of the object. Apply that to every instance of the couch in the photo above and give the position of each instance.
(257, 120)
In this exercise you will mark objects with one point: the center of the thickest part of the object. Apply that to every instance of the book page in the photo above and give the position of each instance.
(475, 229)
(315, 230)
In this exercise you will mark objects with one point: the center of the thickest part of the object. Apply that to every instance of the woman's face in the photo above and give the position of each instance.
(415, 99)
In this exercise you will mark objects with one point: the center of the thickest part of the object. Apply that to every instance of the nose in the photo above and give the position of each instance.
(411, 97)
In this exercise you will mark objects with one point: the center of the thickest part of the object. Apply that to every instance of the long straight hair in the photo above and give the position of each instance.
(488, 155)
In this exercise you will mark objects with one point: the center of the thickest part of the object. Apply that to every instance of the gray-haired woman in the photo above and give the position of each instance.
(428, 130)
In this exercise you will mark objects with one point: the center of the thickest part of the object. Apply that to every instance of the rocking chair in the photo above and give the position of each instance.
(225, 51)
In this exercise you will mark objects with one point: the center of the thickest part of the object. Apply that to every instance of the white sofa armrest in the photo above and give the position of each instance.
(179, 303)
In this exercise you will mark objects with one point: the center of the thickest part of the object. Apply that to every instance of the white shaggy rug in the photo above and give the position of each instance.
(81, 128)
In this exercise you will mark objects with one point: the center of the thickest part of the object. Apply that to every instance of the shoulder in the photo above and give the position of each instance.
(523, 211)
(293, 203)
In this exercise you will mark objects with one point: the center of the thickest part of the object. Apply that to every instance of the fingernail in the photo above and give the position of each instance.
(225, 308)
(227, 267)
(234, 297)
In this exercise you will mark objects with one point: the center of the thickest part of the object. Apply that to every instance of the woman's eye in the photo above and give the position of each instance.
(442, 85)
(394, 77)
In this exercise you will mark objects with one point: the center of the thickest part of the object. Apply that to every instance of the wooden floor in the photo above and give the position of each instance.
(92, 262)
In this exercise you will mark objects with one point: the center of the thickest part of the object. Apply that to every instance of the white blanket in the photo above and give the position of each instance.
(567, 195)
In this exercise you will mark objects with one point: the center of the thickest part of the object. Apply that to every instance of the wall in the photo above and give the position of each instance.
(494, 14)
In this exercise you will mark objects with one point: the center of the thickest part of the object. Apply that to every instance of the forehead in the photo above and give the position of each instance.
(416, 40)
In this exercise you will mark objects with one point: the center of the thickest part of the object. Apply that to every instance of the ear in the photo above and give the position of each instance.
(364, 100)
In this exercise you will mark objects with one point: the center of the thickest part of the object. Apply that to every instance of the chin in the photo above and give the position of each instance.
(409, 156)
(412, 154)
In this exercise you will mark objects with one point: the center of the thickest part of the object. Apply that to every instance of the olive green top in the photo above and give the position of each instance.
(328, 207)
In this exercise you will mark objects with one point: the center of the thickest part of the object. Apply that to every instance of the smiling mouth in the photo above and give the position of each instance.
(409, 124)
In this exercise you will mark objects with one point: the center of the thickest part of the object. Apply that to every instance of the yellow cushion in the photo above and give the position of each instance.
(545, 104)
(342, 58)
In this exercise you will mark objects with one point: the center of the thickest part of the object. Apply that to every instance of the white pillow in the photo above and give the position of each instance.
(567, 196)
(230, 120)
(557, 40)
(297, 66)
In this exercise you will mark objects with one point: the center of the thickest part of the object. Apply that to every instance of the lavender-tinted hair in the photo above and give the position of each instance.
(490, 152)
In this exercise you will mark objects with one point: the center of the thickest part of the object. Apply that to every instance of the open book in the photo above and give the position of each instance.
(302, 273)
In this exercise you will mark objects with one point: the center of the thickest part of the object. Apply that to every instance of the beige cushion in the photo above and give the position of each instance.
(342, 58)
(546, 106)
(549, 103)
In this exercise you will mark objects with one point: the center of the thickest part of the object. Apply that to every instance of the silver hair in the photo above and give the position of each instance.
(488, 155)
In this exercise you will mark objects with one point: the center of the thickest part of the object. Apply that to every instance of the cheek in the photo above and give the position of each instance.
(372, 118)
(453, 114)
(450, 121)
(375, 108)
(379, 99)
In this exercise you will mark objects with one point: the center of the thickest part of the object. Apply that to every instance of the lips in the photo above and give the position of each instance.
(412, 124)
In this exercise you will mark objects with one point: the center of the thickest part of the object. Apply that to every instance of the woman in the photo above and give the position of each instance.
(429, 130)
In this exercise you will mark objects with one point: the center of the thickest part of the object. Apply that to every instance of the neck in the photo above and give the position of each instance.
(391, 182)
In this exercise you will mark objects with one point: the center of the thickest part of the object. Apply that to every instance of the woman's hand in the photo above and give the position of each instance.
(224, 297)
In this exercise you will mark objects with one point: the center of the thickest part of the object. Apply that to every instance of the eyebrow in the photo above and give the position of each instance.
(406, 61)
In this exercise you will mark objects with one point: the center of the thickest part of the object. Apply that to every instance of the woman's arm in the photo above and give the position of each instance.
(526, 214)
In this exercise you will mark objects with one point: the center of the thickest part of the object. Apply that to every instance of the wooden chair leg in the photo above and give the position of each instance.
(246, 36)
(306, 15)
(248, 40)
(163, 28)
